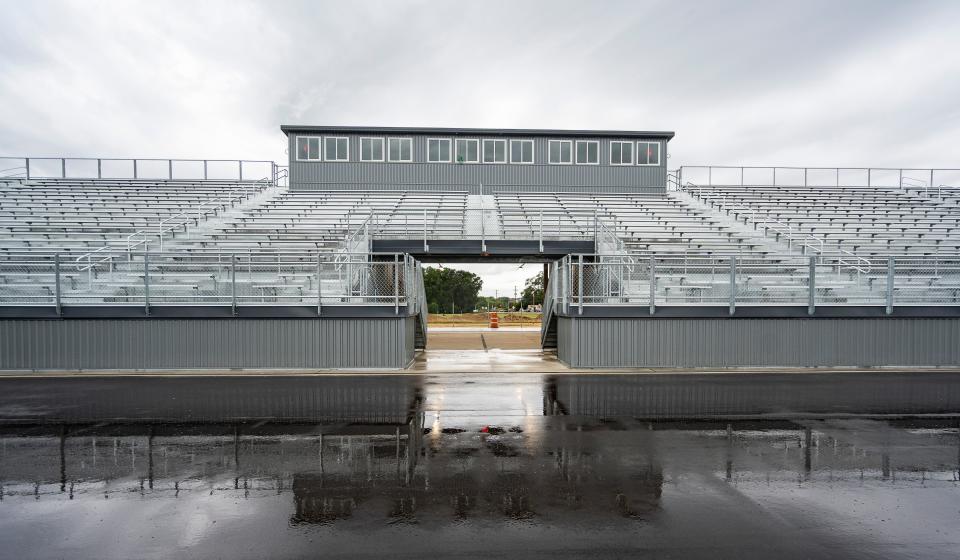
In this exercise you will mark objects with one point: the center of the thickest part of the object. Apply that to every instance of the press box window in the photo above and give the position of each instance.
(336, 149)
(588, 152)
(521, 151)
(400, 149)
(648, 153)
(438, 150)
(308, 148)
(494, 151)
(468, 151)
(621, 153)
(561, 152)
(371, 149)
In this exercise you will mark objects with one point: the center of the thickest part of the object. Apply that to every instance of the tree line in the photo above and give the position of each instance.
(450, 290)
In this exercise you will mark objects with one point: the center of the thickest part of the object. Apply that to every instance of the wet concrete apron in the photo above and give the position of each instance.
(491, 465)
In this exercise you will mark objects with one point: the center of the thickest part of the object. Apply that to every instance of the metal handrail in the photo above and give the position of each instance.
(218, 202)
(866, 172)
(785, 228)
(169, 174)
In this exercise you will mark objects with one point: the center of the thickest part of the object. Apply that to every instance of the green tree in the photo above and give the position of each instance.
(532, 291)
(450, 290)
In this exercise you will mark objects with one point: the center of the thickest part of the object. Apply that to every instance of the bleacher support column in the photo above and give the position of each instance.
(319, 284)
(890, 273)
(233, 284)
(733, 284)
(653, 285)
(580, 285)
(56, 284)
(146, 283)
(812, 286)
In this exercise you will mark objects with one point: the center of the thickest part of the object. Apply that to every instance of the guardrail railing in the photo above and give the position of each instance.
(484, 224)
(156, 279)
(585, 280)
(170, 169)
(793, 176)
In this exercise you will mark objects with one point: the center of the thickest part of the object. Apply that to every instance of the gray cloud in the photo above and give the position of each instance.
(859, 82)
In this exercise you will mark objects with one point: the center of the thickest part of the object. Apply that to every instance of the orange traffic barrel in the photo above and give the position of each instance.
(494, 320)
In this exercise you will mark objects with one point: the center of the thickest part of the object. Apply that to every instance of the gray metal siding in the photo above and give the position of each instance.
(341, 399)
(420, 174)
(594, 343)
(205, 343)
(747, 394)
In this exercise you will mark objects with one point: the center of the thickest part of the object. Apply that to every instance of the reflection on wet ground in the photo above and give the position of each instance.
(725, 466)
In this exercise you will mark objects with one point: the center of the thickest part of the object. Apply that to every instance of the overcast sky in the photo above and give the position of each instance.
(854, 83)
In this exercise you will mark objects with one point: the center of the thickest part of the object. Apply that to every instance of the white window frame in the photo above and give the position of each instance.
(577, 144)
(456, 152)
(335, 139)
(633, 152)
(387, 152)
(449, 150)
(296, 148)
(383, 150)
(533, 151)
(550, 144)
(659, 152)
(506, 149)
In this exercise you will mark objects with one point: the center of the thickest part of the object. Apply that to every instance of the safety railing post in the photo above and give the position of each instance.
(812, 286)
(204, 170)
(233, 283)
(170, 169)
(396, 285)
(596, 227)
(26, 164)
(653, 285)
(146, 283)
(63, 167)
(580, 285)
(99, 168)
(319, 284)
(134, 169)
(240, 168)
(425, 246)
(733, 284)
(56, 275)
(890, 277)
(541, 231)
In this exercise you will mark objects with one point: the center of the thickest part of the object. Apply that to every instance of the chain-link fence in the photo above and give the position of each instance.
(157, 279)
(772, 280)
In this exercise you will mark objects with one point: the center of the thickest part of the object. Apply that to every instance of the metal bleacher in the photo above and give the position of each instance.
(205, 241)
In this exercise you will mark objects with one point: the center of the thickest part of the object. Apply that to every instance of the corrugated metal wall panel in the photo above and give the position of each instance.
(359, 175)
(367, 398)
(699, 396)
(758, 342)
(206, 343)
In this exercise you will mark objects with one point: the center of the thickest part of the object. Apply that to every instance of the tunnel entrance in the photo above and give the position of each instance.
(485, 312)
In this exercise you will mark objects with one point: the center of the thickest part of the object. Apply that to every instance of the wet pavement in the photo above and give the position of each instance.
(736, 465)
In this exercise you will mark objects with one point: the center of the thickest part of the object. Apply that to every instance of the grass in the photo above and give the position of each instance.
(513, 319)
